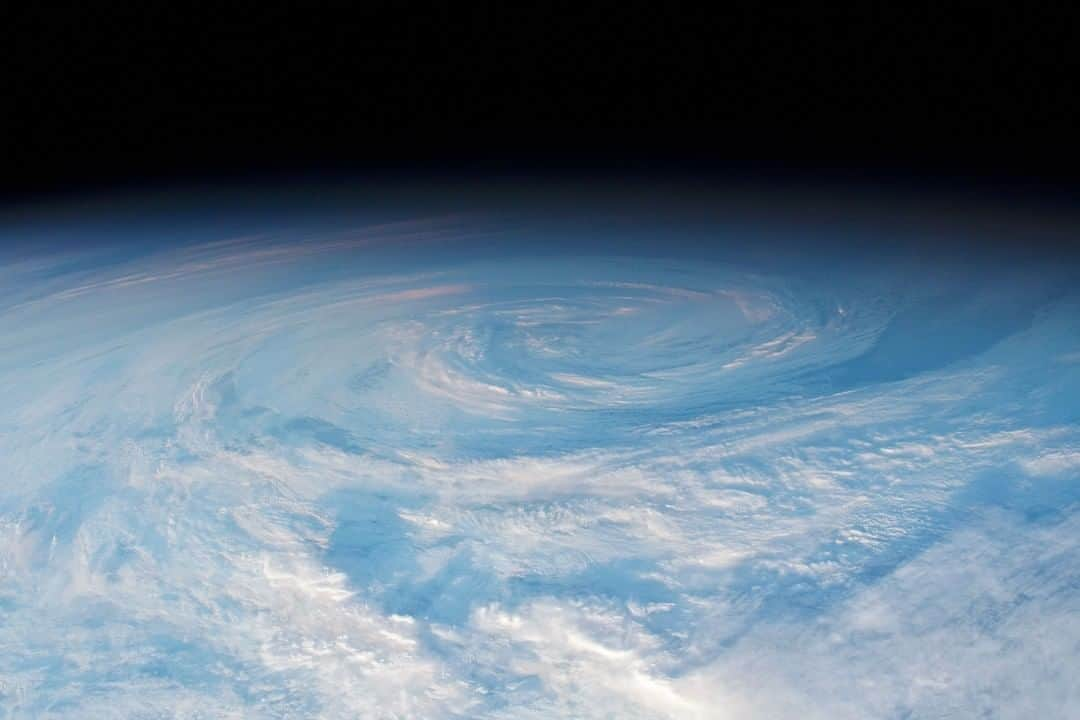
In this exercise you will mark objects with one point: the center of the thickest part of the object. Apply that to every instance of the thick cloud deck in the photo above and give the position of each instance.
(341, 476)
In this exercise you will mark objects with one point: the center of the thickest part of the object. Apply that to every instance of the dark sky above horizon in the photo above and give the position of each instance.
(133, 95)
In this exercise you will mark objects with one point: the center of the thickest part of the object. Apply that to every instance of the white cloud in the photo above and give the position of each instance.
(232, 492)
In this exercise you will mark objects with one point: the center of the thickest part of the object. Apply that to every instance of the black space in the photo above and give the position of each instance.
(106, 94)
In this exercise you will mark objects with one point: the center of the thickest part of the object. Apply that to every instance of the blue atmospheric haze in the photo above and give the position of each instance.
(470, 467)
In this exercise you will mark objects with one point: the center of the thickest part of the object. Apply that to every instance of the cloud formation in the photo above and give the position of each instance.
(270, 478)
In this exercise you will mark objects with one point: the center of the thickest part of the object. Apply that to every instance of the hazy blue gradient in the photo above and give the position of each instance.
(487, 467)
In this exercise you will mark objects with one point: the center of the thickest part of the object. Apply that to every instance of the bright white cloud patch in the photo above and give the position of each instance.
(269, 478)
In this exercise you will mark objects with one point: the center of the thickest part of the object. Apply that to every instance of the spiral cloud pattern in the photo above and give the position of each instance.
(369, 472)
